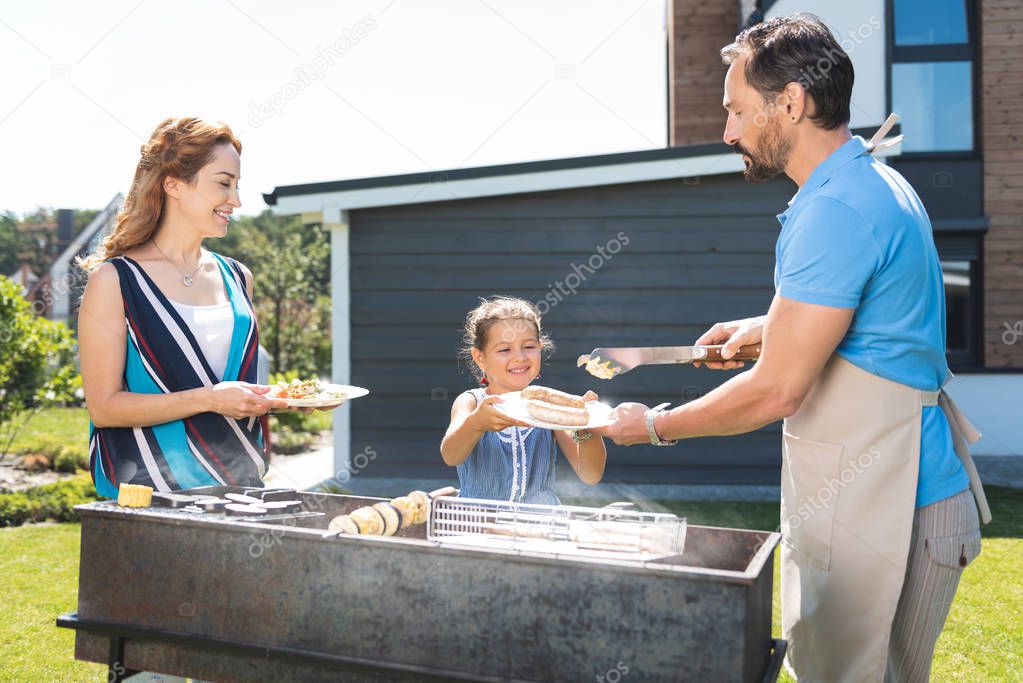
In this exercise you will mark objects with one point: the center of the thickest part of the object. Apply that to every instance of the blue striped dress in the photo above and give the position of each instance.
(516, 464)
(163, 356)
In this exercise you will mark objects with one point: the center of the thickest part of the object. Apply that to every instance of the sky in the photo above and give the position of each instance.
(321, 90)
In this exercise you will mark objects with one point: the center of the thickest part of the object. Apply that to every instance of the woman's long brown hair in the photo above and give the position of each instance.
(178, 148)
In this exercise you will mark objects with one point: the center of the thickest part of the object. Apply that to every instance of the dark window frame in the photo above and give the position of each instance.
(949, 52)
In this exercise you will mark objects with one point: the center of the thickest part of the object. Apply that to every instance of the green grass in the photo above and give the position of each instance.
(38, 581)
(982, 641)
(66, 425)
(70, 426)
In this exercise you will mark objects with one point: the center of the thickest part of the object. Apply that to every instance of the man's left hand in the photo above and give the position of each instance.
(629, 425)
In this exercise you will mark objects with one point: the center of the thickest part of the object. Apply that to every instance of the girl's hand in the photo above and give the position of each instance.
(487, 418)
(241, 399)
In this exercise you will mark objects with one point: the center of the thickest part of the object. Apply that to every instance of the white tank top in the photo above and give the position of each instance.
(211, 326)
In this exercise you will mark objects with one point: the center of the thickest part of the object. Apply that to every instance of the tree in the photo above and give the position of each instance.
(37, 363)
(290, 265)
(8, 243)
(17, 245)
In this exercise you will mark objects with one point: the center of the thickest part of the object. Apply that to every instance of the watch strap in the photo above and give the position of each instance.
(651, 430)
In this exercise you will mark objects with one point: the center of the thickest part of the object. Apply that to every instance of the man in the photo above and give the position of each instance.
(877, 516)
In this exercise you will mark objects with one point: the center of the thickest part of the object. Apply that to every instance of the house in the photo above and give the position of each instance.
(66, 282)
(651, 247)
(26, 279)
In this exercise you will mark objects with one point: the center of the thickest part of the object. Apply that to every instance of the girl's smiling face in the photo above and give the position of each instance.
(510, 358)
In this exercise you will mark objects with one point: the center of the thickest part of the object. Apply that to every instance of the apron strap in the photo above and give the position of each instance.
(964, 433)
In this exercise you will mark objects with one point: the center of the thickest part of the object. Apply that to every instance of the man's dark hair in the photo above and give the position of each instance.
(797, 49)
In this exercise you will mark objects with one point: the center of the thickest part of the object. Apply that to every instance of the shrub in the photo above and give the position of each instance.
(48, 502)
(37, 366)
(71, 459)
(63, 457)
(286, 441)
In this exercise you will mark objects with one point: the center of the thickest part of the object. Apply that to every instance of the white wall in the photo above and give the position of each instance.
(341, 331)
(860, 28)
(992, 403)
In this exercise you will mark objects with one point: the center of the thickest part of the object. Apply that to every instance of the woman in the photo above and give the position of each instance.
(167, 332)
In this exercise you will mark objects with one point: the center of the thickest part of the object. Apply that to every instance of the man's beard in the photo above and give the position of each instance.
(771, 157)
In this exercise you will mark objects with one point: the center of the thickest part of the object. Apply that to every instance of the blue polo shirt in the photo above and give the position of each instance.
(857, 236)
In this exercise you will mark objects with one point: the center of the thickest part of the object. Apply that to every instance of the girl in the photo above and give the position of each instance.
(167, 333)
(497, 457)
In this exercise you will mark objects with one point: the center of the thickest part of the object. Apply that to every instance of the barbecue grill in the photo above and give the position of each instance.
(485, 592)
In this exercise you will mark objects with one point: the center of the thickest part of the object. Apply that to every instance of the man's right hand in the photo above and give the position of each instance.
(733, 335)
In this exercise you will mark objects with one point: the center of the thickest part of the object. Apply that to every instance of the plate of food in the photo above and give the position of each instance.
(552, 409)
(312, 393)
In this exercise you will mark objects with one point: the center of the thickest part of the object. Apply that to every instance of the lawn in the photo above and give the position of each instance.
(983, 640)
(38, 581)
(64, 425)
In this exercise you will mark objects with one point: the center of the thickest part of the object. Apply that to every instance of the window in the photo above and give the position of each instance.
(930, 22)
(932, 45)
(961, 272)
(956, 275)
(935, 101)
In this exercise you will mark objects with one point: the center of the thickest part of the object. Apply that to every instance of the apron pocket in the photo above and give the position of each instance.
(956, 551)
(810, 489)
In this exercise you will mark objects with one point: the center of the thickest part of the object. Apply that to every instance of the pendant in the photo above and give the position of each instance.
(188, 281)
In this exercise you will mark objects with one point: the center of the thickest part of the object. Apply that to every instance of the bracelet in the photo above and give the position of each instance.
(580, 435)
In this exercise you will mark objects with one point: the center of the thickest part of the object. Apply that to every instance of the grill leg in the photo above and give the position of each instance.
(116, 671)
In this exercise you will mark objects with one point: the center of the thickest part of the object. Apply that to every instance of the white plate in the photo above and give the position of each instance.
(350, 392)
(513, 405)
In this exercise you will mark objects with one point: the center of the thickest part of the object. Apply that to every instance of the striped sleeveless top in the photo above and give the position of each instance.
(163, 356)
(516, 464)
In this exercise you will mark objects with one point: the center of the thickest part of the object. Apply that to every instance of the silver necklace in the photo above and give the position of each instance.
(186, 278)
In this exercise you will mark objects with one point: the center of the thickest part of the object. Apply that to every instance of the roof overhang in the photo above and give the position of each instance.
(540, 176)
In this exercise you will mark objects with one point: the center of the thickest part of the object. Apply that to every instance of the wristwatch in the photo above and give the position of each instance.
(651, 432)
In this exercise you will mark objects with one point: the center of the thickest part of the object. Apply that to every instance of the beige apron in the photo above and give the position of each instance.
(850, 456)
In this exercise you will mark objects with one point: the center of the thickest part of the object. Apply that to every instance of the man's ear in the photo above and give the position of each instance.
(172, 186)
(793, 102)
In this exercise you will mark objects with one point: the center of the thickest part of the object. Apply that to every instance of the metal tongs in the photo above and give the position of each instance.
(877, 141)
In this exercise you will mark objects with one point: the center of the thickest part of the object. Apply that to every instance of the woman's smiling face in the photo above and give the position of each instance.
(209, 200)
(510, 358)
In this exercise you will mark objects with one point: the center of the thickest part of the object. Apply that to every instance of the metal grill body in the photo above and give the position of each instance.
(233, 599)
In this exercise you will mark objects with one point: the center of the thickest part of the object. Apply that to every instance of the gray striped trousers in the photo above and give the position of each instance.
(946, 538)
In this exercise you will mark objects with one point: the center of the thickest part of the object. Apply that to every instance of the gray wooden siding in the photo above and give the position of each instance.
(696, 254)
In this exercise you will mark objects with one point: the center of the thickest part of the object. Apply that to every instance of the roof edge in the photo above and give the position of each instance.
(680, 152)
